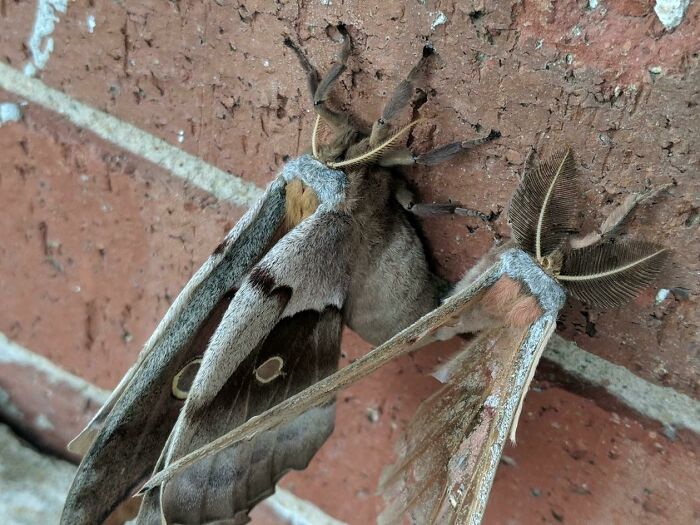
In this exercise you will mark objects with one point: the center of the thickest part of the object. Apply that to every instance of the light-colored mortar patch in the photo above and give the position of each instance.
(132, 139)
(12, 353)
(40, 42)
(33, 486)
(665, 405)
(439, 19)
(90, 23)
(9, 112)
(671, 12)
(297, 511)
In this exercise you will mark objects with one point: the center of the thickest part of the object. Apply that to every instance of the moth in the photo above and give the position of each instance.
(509, 301)
(330, 243)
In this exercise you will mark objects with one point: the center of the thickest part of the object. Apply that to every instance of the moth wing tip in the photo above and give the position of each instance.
(82, 442)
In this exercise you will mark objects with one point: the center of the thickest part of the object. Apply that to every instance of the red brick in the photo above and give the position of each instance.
(201, 69)
(587, 465)
(96, 245)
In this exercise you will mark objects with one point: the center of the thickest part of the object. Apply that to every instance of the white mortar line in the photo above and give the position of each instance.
(665, 405)
(222, 185)
(295, 510)
(12, 353)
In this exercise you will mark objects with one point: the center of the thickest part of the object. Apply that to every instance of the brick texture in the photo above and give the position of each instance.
(97, 243)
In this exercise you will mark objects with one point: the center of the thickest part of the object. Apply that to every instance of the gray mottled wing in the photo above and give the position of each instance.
(452, 446)
(306, 271)
(228, 484)
(124, 440)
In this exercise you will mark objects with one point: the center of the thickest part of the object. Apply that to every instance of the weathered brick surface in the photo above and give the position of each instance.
(576, 463)
(96, 243)
(609, 81)
(585, 464)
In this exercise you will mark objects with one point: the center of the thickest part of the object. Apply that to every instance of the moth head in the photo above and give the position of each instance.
(551, 263)
(351, 145)
(354, 147)
(543, 215)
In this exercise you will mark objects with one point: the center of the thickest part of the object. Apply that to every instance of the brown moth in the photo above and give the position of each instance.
(510, 301)
(329, 243)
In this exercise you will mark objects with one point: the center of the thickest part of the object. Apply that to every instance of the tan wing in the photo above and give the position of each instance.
(449, 454)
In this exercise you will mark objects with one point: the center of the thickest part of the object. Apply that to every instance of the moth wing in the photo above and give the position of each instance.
(123, 441)
(448, 456)
(320, 393)
(301, 349)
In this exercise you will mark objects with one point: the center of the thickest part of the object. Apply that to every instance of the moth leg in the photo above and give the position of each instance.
(405, 197)
(422, 209)
(399, 99)
(405, 157)
(320, 88)
(616, 218)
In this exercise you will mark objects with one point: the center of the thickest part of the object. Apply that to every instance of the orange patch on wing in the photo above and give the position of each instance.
(524, 312)
(499, 298)
(300, 202)
(506, 300)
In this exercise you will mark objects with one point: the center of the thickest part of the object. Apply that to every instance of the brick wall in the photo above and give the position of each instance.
(101, 229)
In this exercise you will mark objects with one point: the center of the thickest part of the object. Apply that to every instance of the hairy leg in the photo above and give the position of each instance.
(320, 88)
(406, 198)
(405, 157)
(399, 99)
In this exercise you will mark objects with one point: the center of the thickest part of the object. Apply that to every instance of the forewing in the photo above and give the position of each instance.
(448, 458)
(124, 440)
(228, 484)
(306, 272)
